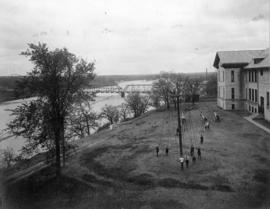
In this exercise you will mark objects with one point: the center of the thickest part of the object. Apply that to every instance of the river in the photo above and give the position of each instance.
(16, 143)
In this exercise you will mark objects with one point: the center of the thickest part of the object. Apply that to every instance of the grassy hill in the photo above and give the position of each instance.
(119, 169)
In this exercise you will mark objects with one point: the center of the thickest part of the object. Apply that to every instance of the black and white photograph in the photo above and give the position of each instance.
(134, 104)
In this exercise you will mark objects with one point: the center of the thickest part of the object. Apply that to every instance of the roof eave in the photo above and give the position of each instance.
(235, 64)
(257, 67)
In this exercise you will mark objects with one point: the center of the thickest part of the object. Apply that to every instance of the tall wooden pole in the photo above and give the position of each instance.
(176, 94)
(179, 126)
(179, 119)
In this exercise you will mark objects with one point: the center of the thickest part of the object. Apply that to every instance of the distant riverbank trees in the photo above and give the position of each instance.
(137, 103)
(170, 84)
(58, 80)
(111, 113)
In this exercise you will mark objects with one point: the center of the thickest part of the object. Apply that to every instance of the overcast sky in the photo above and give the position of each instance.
(133, 36)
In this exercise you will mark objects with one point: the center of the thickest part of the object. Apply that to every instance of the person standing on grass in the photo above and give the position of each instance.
(157, 150)
(216, 117)
(187, 161)
(194, 159)
(167, 151)
(199, 153)
(201, 138)
(191, 150)
(207, 125)
(182, 162)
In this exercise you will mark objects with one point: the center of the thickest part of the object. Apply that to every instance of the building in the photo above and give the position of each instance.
(244, 81)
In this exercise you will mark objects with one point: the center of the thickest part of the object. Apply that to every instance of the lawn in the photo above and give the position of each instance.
(119, 168)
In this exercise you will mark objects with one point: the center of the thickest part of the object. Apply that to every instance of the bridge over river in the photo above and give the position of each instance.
(129, 88)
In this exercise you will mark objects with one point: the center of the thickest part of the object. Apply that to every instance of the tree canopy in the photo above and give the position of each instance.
(137, 103)
(57, 81)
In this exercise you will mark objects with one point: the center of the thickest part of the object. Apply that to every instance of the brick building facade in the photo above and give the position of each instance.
(244, 81)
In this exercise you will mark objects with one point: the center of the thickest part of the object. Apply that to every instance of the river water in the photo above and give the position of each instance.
(16, 143)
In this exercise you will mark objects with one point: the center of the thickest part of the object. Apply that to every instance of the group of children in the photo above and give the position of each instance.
(206, 121)
(185, 159)
(166, 151)
(192, 155)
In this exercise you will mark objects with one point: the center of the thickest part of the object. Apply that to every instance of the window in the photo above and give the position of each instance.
(232, 76)
(249, 94)
(255, 110)
(252, 95)
(261, 72)
(249, 77)
(232, 93)
(267, 100)
(252, 76)
(256, 94)
(233, 106)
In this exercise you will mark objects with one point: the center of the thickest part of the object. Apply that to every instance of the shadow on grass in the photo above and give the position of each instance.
(145, 179)
(42, 189)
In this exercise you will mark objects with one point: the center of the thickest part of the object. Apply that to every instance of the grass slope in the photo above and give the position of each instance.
(118, 168)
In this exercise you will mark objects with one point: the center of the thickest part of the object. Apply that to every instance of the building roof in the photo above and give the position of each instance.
(243, 58)
(265, 63)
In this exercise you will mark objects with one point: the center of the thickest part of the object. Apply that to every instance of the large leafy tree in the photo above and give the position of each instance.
(192, 88)
(161, 91)
(138, 104)
(180, 84)
(82, 121)
(57, 81)
(111, 113)
(124, 111)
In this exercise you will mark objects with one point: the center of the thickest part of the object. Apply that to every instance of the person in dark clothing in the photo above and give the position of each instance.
(217, 119)
(191, 150)
(201, 138)
(199, 153)
(157, 150)
(193, 159)
(167, 151)
(187, 161)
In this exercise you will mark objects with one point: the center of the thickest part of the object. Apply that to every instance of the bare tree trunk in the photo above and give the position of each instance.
(57, 154)
(168, 103)
(63, 143)
(88, 127)
(63, 152)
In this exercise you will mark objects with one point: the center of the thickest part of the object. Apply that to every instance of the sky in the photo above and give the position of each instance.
(133, 36)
